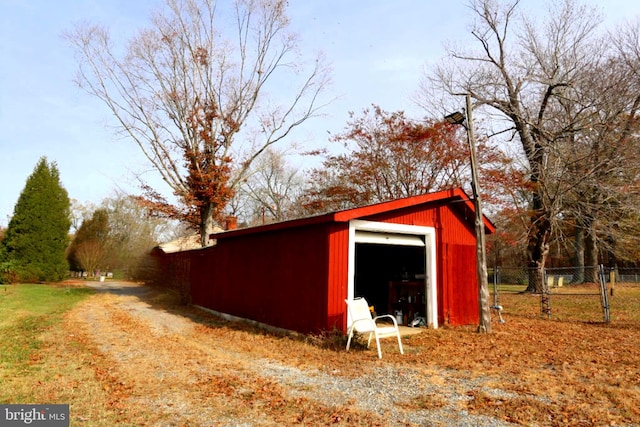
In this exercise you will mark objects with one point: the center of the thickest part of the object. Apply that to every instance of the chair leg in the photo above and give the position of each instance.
(349, 339)
(378, 347)
(400, 344)
(369, 342)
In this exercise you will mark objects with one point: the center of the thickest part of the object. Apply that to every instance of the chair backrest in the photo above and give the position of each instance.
(360, 315)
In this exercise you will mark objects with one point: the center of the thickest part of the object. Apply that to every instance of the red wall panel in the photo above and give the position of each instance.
(460, 266)
(277, 278)
(338, 276)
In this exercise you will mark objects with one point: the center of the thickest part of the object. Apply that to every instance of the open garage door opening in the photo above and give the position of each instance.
(392, 279)
(393, 267)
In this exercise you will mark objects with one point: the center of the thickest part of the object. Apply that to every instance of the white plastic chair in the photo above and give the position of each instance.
(363, 322)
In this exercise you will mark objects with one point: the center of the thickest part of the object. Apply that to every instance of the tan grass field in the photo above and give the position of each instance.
(133, 356)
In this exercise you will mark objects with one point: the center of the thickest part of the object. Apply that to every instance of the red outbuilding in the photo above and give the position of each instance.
(412, 257)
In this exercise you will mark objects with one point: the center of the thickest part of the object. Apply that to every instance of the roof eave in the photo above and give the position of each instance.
(360, 212)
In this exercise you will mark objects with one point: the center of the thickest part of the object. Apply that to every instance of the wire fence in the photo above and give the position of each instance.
(570, 294)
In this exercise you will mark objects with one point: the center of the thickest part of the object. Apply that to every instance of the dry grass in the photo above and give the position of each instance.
(144, 360)
(565, 373)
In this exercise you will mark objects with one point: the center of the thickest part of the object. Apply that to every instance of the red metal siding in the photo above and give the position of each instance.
(200, 266)
(276, 278)
(457, 253)
(457, 226)
(175, 272)
(416, 215)
(454, 224)
(455, 257)
(338, 276)
(461, 307)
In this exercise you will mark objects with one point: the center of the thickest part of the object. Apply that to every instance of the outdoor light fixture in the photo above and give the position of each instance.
(459, 118)
(456, 118)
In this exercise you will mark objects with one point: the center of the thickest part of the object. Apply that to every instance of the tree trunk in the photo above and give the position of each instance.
(536, 277)
(578, 261)
(537, 262)
(538, 245)
(206, 224)
(612, 259)
(590, 254)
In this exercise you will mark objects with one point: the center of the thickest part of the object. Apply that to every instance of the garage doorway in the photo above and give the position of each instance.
(391, 278)
(393, 267)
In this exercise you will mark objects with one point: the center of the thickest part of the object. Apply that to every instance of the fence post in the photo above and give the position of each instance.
(604, 298)
(495, 286)
(496, 301)
(545, 298)
(612, 279)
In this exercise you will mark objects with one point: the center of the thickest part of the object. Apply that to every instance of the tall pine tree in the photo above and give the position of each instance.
(38, 234)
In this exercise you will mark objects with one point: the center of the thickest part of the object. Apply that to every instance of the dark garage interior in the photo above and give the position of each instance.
(391, 278)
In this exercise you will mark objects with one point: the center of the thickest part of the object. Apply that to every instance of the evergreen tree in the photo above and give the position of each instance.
(37, 236)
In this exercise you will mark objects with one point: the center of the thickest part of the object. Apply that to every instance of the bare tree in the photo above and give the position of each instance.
(271, 190)
(606, 185)
(593, 165)
(203, 92)
(118, 235)
(90, 255)
(132, 232)
(90, 247)
(79, 213)
(524, 70)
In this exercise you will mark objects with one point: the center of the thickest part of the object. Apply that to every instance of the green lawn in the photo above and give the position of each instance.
(26, 312)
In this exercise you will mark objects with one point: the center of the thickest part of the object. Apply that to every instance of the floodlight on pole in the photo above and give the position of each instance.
(458, 118)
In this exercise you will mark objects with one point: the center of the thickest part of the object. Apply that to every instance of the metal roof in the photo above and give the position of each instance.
(455, 194)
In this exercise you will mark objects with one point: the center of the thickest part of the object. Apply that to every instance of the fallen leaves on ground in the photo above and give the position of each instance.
(153, 362)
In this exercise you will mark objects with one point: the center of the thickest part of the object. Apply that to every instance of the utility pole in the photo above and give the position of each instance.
(481, 253)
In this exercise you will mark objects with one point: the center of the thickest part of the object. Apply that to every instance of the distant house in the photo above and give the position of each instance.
(408, 257)
(181, 244)
(189, 242)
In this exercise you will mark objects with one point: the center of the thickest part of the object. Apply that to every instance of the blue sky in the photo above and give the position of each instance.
(376, 48)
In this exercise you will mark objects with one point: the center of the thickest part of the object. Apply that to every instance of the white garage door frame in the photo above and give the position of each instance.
(386, 236)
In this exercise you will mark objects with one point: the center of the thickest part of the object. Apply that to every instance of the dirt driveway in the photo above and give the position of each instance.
(165, 364)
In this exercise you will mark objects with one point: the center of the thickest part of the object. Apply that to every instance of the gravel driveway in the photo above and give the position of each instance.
(194, 371)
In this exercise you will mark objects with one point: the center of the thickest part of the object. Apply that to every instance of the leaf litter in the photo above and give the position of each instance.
(154, 362)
